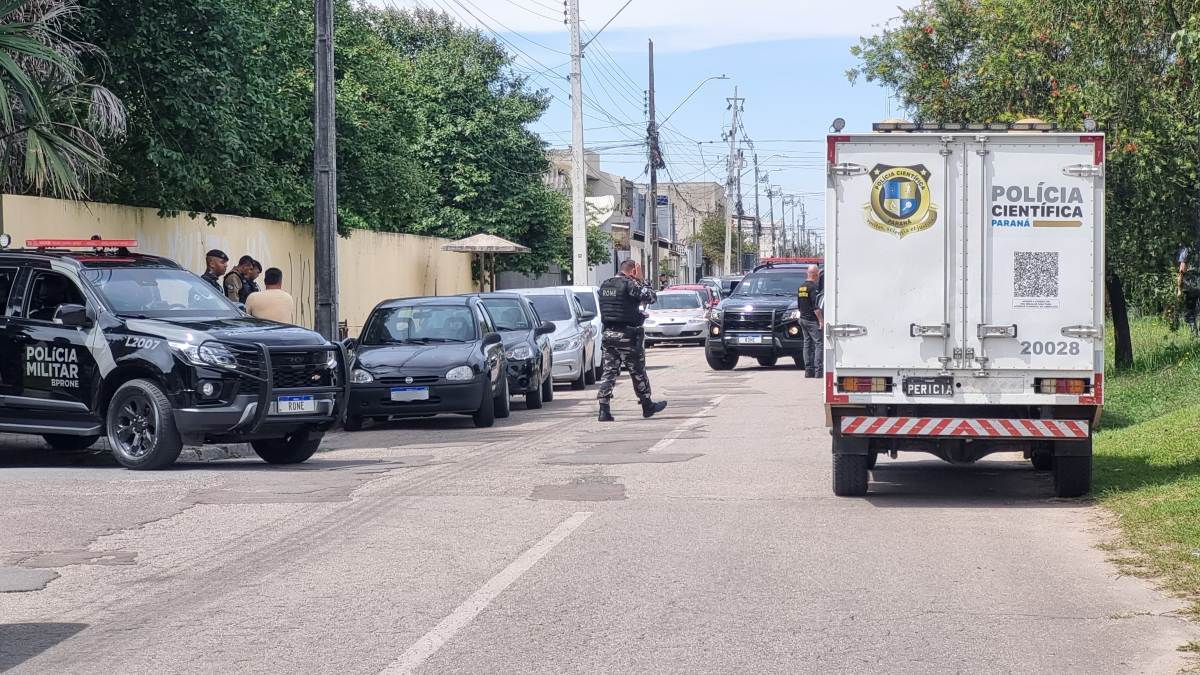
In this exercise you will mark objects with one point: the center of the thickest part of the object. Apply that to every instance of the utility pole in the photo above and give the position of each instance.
(740, 211)
(757, 217)
(579, 263)
(325, 177)
(735, 105)
(771, 211)
(803, 226)
(655, 162)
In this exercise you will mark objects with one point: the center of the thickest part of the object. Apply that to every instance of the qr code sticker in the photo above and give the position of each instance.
(1035, 274)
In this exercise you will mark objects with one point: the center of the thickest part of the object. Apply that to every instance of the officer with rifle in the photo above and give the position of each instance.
(621, 298)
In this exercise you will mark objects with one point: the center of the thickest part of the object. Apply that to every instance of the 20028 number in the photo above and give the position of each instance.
(1050, 348)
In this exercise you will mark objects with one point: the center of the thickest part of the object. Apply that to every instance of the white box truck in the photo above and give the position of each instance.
(964, 297)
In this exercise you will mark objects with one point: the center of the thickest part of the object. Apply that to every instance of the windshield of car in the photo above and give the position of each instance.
(507, 314)
(587, 300)
(158, 293)
(684, 300)
(420, 324)
(551, 307)
(770, 283)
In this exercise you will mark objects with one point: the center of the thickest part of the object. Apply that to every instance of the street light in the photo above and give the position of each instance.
(689, 96)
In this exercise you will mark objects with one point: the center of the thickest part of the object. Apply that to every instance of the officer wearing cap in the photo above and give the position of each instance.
(215, 262)
(621, 298)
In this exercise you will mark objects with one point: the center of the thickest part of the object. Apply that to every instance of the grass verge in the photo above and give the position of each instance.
(1147, 468)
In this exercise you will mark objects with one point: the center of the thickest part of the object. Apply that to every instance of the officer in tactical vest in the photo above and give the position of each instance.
(621, 298)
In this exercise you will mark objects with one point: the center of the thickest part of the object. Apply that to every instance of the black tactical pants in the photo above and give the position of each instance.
(814, 347)
(624, 346)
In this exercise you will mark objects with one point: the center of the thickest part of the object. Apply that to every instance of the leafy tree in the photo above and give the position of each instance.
(53, 113)
(1129, 64)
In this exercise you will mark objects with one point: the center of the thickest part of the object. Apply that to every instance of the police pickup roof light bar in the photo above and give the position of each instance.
(81, 243)
(958, 126)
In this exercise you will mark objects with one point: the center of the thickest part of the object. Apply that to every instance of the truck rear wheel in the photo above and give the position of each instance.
(291, 449)
(726, 361)
(1042, 461)
(850, 475)
(1072, 476)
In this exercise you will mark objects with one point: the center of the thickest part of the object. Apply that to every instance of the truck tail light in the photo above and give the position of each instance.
(1061, 385)
(865, 385)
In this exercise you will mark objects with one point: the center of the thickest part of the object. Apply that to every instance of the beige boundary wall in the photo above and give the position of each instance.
(372, 266)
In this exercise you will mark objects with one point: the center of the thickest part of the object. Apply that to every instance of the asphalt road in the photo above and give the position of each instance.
(704, 540)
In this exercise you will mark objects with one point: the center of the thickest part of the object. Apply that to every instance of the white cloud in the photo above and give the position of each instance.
(680, 25)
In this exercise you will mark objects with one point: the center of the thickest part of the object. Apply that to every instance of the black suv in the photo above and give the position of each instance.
(97, 341)
(758, 319)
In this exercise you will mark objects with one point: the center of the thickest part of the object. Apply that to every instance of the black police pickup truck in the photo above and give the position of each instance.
(759, 318)
(97, 341)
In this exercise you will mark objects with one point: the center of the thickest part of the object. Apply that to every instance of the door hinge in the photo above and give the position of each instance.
(941, 330)
(1081, 332)
(1083, 171)
(847, 330)
(993, 331)
(848, 169)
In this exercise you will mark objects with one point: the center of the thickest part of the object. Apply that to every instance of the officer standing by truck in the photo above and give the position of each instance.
(810, 302)
(621, 298)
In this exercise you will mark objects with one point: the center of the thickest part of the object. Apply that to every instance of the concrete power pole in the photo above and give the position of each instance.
(655, 161)
(740, 211)
(325, 174)
(735, 105)
(771, 215)
(757, 217)
(579, 262)
(804, 227)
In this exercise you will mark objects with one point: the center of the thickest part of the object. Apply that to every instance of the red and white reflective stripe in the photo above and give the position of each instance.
(858, 425)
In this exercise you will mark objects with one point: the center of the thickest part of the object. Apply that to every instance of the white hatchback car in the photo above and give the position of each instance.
(589, 299)
(573, 338)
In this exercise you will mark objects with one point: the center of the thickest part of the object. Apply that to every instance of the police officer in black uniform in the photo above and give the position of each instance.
(621, 298)
(215, 264)
(809, 300)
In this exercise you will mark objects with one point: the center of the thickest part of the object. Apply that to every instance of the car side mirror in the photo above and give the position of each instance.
(350, 344)
(545, 329)
(492, 339)
(75, 316)
(586, 317)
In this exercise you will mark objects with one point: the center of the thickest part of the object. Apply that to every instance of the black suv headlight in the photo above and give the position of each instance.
(205, 354)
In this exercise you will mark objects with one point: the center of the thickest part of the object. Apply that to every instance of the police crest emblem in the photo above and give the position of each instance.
(901, 202)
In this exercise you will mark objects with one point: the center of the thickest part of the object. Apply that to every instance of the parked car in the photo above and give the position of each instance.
(713, 283)
(99, 341)
(573, 341)
(527, 346)
(418, 357)
(589, 299)
(677, 316)
(729, 282)
(708, 296)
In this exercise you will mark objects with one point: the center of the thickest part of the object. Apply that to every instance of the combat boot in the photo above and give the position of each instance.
(651, 407)
(605, 413)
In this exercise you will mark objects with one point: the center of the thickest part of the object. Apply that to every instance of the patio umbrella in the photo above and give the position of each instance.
(485, 245)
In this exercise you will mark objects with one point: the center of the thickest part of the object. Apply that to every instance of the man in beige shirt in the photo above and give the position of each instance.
(274, 303)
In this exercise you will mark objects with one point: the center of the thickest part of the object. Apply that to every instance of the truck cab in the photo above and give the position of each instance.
(964, 308)
(97, 341)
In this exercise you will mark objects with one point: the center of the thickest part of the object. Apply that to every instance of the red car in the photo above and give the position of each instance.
(710, 298)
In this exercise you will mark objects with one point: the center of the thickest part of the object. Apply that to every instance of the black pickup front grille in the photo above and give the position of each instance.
(299, 370)
(760, 321)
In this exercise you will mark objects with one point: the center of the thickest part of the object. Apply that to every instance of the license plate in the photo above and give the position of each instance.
(750, 339)
(929, 386)
(671, 331)
(410, 394)
(292, 405)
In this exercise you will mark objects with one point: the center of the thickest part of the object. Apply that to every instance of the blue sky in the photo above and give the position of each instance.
(787, 58)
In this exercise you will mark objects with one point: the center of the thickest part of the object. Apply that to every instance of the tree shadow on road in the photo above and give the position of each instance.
(20, 642)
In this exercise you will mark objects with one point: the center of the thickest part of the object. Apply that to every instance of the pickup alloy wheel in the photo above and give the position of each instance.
(141, 427)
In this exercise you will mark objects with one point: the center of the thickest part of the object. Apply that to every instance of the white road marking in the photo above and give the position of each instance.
(432, 641)
(690, 422)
